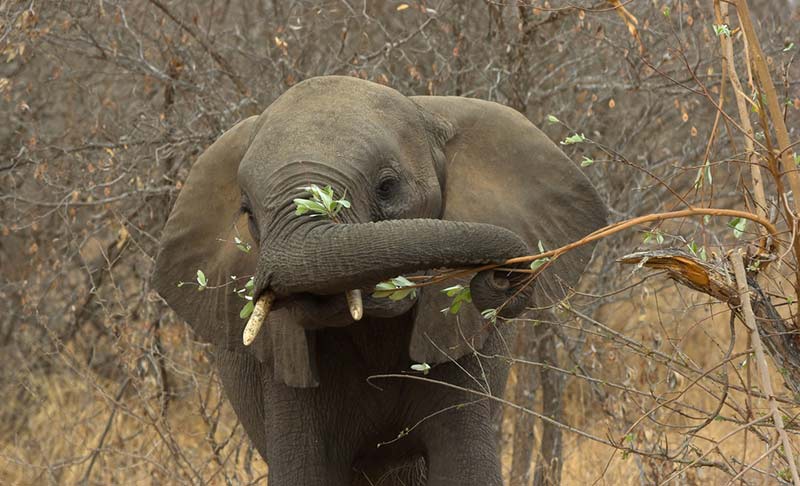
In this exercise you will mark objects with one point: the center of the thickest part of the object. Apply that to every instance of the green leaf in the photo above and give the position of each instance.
(323, 202)
(703, 175)
(490, 315)
(460, 294)
(395, 289)
(326, 199)
(552, 119)
(587, 161)
(541, 246)
(388, 285)
(452, 291)
(401, 281)
(538, 263)
(201, 280)
(789, 47)
(573, 139)
(423, 368)
(666, 11)
(738, 225)
(247, 310)
(655, 234)
(721, 30)
(305, 205)
(242, 245)
(401, 294)
(706, 219)
(698, 251)
(796, 159)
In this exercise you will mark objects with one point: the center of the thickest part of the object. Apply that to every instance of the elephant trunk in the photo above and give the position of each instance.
(326, 258)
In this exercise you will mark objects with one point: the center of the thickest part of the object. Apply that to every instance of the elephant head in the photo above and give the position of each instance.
(433, 182)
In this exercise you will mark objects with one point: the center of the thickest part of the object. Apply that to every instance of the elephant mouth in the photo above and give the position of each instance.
(315, 311)
(318, 268)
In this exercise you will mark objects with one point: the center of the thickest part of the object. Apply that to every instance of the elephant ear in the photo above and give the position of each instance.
(201, 234)
(500, 169)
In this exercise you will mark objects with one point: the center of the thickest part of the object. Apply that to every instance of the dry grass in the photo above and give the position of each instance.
(60, 416)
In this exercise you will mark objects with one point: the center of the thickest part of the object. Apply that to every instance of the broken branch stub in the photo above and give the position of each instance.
(716, 278)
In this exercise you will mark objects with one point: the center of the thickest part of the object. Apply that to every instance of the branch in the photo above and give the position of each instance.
(729, 66)
(226, 68)
(750, 321)
(603, 233)
(715, 278)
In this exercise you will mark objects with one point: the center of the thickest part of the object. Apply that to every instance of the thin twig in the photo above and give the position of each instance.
(729, 66)
(96, 451)
(750, 320)
(226, 67)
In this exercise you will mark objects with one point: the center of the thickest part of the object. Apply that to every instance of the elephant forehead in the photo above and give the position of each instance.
(326, 142)
(337, 107)
(339, 119)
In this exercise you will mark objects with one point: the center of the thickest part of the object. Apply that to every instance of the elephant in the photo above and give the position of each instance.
(432, 183)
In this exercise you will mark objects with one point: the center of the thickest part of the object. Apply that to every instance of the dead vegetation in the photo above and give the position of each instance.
(634, 380)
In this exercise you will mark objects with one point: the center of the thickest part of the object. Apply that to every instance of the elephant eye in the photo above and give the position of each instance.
(386, 187)
(251, 220)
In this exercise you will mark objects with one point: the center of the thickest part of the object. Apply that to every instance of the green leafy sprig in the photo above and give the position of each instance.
(323, 202)
(395, 289)
(460, 295)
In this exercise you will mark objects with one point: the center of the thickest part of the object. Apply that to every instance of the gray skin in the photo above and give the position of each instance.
(434, 182)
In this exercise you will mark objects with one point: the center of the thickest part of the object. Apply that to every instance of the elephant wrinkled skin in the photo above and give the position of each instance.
(434, 182)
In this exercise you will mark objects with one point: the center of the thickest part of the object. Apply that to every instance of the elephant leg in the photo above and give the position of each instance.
(242, 378)
(312, 440)
(309, 471)
(460, 428)
(294, 430)
(461, 448)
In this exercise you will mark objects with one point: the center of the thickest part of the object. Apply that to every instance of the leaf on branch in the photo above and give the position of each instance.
(323, 202)
(395, 289)
(722, 30)
(573, 139)
(738, 225)
(423, 368)
(460, 295)
(201, 280)
(538, 263)
(243, 246)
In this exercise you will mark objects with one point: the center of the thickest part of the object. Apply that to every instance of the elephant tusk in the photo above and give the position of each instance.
(257, 318)
(355, 304)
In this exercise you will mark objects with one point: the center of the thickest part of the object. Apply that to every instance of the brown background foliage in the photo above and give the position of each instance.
(106, 105)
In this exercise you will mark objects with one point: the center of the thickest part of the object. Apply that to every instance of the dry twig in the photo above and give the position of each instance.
(763, 371)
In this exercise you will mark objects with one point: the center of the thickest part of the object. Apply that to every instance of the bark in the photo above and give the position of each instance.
(548, 467)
